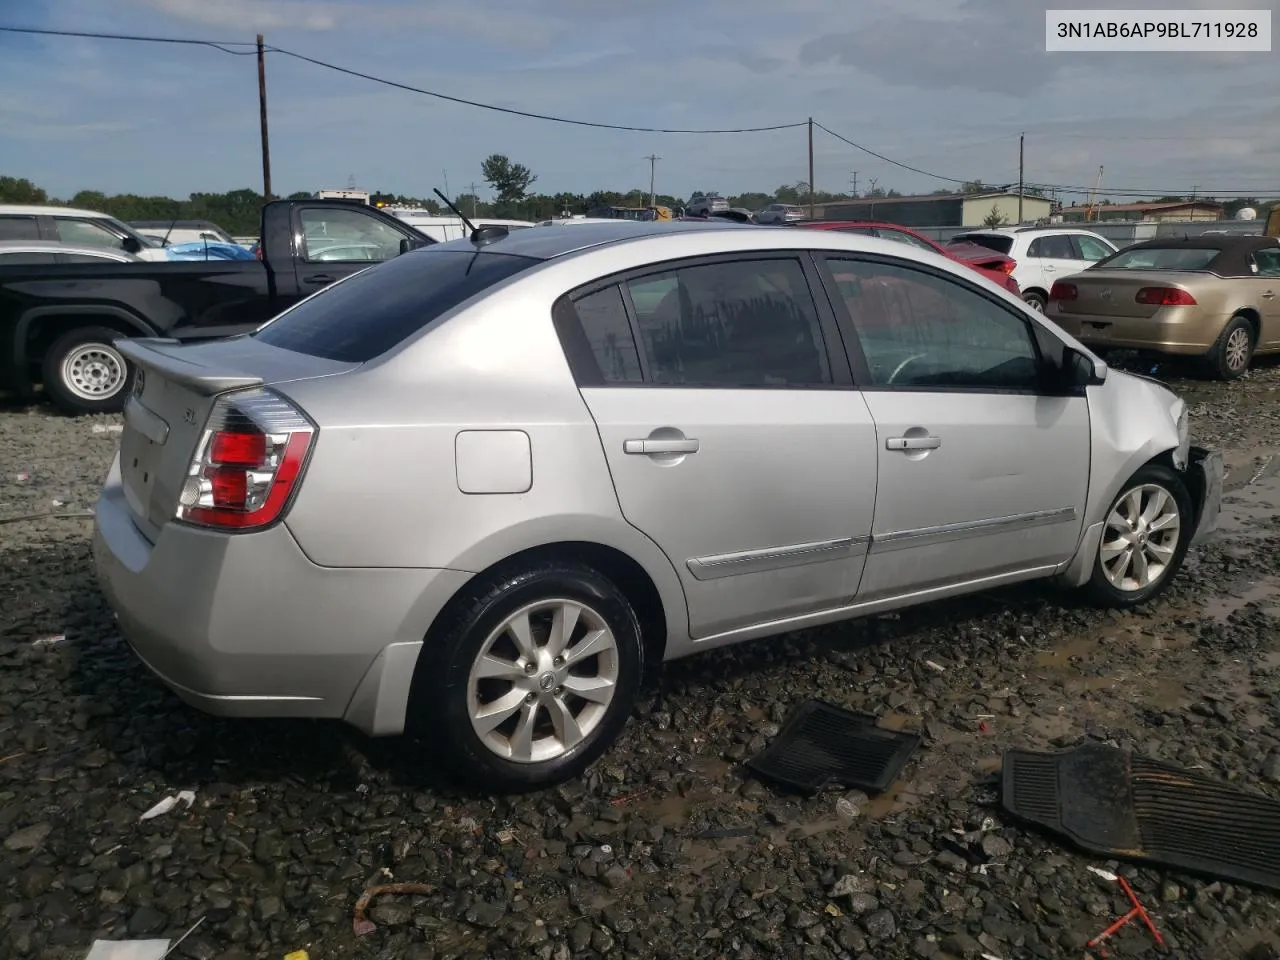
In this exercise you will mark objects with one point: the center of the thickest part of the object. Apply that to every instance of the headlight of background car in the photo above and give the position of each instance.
(1183, 451)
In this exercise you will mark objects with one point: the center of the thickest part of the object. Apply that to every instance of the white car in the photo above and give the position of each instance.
(83, 228)
(780, 213)
(1042, 254)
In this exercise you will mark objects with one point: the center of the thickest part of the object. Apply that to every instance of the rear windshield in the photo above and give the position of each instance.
(1162, 258)
(992, 241)
(365, 316)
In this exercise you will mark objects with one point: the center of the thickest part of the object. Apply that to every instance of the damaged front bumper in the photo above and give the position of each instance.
(1204, 479)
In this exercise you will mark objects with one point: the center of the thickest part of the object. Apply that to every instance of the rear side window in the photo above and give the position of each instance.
(19, 228)
(604, 320)
(16, 258)
(366, 315)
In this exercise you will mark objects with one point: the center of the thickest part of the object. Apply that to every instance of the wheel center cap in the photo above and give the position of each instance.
(546, 682)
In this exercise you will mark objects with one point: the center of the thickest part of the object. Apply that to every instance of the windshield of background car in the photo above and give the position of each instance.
(992, 241)
(1162, 258)
(365, 316)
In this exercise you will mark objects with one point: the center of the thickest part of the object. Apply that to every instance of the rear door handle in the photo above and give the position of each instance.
(913, 443)
(319, 278)
(1268, 295)
(648, 447)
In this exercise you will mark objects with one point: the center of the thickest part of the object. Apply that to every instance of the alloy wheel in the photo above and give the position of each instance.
(1140, 538)
(1237, 351)
(543, 680)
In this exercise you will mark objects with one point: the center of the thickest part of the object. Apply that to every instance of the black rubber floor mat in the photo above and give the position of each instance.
(822, 743)
(1112, 803)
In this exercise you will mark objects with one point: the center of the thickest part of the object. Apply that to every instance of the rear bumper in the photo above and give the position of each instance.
(1184, 331)
(1204, 476)
(247, 626)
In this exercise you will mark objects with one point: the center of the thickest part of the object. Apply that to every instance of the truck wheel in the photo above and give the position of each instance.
(84, 373)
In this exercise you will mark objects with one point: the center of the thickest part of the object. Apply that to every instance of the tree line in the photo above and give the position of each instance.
(238, 211)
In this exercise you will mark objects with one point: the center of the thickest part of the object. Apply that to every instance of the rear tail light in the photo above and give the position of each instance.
(1008, 267)
(1165, 297)
(248, 463)
(1062, 290)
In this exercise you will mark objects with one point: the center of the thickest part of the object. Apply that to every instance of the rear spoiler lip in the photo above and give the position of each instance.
(151, 353)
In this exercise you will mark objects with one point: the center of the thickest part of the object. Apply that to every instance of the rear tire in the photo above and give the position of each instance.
(1036, 301)
(1145, 536)
(1233, 350)
(84, 373)
(497, 654)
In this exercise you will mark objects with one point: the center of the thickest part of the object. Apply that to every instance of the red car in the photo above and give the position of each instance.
(995, 266)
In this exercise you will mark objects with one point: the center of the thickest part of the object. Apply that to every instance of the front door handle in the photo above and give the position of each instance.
(1268, 295)
(913, 443)
(319, 278)
(650, 447)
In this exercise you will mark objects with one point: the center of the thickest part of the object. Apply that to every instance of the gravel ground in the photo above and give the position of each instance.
(665, 849)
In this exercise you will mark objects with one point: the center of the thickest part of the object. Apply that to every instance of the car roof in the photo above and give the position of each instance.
(543, 244)
(32, 210)
(1217, 241)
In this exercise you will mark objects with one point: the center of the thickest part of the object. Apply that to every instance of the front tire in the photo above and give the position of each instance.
(532, 677)
(84, 373)
(1144, 539)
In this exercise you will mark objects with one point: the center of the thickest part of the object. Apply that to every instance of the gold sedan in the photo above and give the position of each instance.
(1214, 296)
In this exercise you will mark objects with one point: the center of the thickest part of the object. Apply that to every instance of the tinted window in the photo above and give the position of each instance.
(1092, 249)
(992, 241)
(920, 330)
(11, 258)
(1056, 246)
(368, 314)
(1268, 262)
(89, 258)
(1163, 258)
(19, 228)
(604, 321)
(746, 323)
(338, 234)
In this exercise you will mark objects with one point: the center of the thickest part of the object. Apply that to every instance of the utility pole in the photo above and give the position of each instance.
(473, 200)
(1021, 137)
(653, 160)
(872, 181)
(811, 168)
(854, 181)
(262, 116)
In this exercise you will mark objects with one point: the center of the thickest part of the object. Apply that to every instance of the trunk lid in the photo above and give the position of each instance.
(175, 387)
(1111, 293)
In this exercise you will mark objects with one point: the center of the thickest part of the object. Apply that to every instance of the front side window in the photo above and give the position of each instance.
(742, 323)
(923, 331)
(343, 235)
(1091, 248)
(86, 233)
(19, 228)
(1268, 262)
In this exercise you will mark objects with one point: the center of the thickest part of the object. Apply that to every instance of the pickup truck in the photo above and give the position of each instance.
(59, 321)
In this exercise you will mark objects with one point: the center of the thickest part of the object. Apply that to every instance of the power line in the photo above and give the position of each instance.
(219, 45)
(881, 156)
(216, 44)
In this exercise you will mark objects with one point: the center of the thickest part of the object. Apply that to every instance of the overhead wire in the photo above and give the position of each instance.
(225, 45)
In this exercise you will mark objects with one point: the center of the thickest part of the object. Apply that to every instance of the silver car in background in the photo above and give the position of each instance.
(475, 490)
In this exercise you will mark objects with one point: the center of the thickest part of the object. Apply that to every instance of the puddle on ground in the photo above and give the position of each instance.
(1265, 593)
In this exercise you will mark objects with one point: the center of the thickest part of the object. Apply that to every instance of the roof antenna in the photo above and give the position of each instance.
(458, 213)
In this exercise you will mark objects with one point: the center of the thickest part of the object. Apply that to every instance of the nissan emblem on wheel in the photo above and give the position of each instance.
(478, 491)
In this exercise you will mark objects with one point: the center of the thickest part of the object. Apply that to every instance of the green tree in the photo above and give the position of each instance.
(994, 217)
(510, 181)
(973, 186)
(21, 190)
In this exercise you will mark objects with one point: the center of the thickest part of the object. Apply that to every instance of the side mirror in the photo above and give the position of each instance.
(408, 243)
(1082, 370)
(131, 245)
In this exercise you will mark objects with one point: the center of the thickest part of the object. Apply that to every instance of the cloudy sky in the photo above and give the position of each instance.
(943, 85)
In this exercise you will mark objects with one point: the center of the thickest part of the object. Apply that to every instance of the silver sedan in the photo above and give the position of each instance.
(474, 490)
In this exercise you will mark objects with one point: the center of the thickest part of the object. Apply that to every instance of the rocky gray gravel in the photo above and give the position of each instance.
(665, 849)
